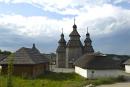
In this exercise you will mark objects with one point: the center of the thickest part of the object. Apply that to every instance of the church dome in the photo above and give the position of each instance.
(74, 26)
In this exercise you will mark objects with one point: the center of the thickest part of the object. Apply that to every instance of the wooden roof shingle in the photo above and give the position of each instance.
(26, 56)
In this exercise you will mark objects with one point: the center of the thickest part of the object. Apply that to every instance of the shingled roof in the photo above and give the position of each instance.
(62, 40)
(62, 44)
(74, 43)
(26, 56)
(61, 49)
(97, 61)
(74, 33)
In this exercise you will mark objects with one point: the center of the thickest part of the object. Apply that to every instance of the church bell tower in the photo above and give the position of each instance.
(73, 48)
(61, 52)
(88, 44)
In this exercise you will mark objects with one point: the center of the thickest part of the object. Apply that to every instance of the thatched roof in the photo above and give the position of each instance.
(97, 61)
(2, 56)
(127, 62)
(26, 56)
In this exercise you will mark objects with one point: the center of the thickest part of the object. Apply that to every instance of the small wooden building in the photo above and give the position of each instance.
(97, 66)
(27, 62)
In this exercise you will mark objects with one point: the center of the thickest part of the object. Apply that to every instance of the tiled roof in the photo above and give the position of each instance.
(95, 61)
(26, 56)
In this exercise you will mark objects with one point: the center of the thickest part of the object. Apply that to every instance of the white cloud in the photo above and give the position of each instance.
(34, 26)
(61, 6)
(120, 1)
(97, 14)
(100, 16)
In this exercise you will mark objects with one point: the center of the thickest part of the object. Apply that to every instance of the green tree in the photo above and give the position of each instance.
(0, 51)
(6, 52)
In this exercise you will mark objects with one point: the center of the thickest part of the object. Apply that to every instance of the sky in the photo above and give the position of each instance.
(24, 22)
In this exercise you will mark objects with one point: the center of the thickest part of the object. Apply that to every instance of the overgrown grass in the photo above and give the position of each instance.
(47, 80)
(55, 80)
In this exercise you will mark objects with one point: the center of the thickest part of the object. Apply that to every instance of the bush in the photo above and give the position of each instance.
(121, 78)
(103, 81)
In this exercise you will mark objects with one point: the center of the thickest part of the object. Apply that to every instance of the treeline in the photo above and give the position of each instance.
(5, 52)
(122, 58)
(119, 56)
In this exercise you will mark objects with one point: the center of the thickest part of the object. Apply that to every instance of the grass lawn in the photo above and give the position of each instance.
(55, 80)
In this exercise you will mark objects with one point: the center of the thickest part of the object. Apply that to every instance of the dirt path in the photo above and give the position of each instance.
(124, 84)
